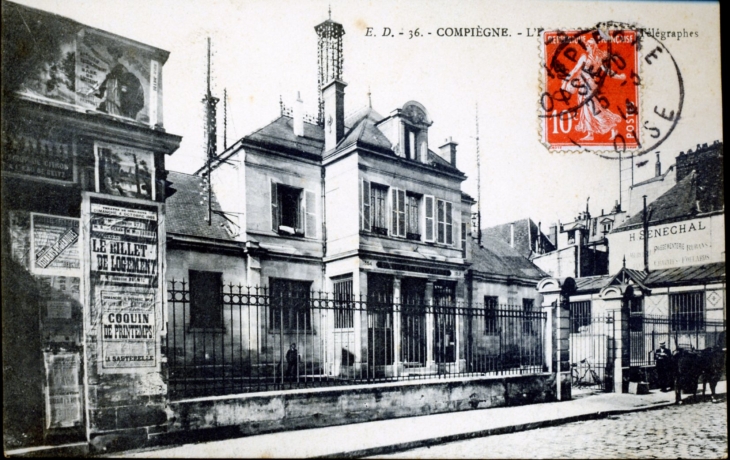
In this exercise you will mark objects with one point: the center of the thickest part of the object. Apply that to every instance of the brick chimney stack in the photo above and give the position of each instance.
(448, 151)
(334, 113)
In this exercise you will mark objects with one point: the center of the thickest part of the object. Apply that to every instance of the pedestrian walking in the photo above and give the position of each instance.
(663, 358)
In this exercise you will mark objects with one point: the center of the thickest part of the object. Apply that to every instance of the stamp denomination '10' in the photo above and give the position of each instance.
(590, 99)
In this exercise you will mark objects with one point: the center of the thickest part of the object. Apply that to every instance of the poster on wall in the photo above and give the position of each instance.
(54, 244)
(124, 171)
(124, 265)
(63, 390)
(51, 160)
(19, 232)
(65, 63)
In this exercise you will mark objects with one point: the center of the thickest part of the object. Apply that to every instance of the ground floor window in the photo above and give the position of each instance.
(290, 304)
(580, 315)
(490, 314)
(206, 301)
(342, 287)
(687, 311)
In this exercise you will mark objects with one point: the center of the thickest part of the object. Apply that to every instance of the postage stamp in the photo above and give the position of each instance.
(590, 99)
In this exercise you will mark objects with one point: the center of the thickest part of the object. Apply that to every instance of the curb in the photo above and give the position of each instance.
(400, 447)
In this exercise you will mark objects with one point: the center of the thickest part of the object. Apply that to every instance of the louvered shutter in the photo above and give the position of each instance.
(449, 224)
(310, 229)
(428, 214)
(365, 205)
(274, 208)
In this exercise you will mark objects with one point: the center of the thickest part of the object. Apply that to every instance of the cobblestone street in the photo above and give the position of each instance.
(689, 431)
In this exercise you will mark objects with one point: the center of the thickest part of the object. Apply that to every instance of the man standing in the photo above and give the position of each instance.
(292, 358)
(663, 358)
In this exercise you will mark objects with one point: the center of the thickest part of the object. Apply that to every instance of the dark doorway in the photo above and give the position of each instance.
(380, 320)
(413, 322)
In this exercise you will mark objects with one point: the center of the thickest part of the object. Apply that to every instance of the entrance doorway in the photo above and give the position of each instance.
(380, 322)
(413, 322)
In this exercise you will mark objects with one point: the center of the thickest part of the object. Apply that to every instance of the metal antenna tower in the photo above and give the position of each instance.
(479, 183)
(211, 133)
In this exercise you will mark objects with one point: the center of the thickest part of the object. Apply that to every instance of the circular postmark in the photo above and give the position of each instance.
(612, 90)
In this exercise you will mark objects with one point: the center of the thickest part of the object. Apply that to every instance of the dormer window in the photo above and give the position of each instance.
(410, 148)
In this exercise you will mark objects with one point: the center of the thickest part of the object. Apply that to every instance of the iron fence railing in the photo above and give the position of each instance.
(646, 332)
(273, 341)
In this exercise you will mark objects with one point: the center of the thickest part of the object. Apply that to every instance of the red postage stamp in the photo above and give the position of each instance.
(590, 99)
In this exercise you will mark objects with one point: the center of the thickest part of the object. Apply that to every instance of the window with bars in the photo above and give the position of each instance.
(206, 300)
(636, 314)
(687, 311)
(490, 314)
(344, 306)
(290, 306)
(580, 315)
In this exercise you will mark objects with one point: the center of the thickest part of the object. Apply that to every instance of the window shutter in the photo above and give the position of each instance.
(428, 214)
(365, 205)
(300, 213)
(310, 229)
(274, 208)
(398, 205)
(441, 222)
(449, 224)
(401, 212)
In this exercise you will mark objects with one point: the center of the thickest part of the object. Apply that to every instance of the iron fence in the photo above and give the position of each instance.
(646, 332)
(274, 341)
(592, 347)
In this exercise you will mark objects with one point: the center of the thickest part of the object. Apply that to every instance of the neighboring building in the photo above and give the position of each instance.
(653, 187)
(83, 178)
(580, 246)
(500, 275)
(672, 289)
(686, 225)
(523, 235)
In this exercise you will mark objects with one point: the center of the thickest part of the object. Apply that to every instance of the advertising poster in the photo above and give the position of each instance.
(124, 171)
(27, 155)
(65, 63)
(55, 243)
(124, 279)
(63, 391)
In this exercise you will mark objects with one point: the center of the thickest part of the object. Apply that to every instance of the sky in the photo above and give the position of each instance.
(264, 50)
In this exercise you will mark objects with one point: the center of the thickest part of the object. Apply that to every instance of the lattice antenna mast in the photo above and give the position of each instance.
(479, 182)
(329, 57)
(225, 119)
(211, 133)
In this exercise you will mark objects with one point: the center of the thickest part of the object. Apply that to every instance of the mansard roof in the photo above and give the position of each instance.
(699, 192)
(279, 135)
(496, 257)
(185, 213)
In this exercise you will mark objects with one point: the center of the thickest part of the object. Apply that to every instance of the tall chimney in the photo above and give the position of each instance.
(334, 113)
(329, 59)
(448, 151)
(298, 116)
(658, 167)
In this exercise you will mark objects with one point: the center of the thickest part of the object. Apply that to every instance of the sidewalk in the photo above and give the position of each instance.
(386, 436)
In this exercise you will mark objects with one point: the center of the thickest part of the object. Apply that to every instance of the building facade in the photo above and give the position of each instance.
(84, 181)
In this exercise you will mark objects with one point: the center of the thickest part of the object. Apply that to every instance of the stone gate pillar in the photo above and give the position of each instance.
(557, 332)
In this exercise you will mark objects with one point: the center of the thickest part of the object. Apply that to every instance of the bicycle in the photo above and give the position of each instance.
(589, 377)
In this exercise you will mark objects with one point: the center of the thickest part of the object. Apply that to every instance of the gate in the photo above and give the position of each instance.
(688, 331)
(592, 347)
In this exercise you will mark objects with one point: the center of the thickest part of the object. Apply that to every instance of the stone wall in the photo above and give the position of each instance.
(270, 412)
